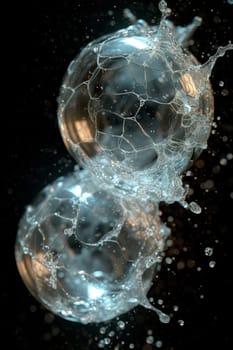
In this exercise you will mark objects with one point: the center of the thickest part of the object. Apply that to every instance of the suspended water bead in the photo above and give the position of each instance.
(85, 255)
(135, 108)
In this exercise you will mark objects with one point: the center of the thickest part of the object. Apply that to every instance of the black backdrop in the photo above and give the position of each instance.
(46, 37)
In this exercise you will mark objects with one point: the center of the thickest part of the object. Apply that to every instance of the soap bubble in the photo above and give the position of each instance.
(85, 255)
(134, 111)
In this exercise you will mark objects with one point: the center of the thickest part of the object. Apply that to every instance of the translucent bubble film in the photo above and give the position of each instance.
(135, 110)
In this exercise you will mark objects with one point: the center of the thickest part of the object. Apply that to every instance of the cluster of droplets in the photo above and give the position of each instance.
(135, 109)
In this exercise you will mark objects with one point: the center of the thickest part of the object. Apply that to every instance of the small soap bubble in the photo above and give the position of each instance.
(102, 330)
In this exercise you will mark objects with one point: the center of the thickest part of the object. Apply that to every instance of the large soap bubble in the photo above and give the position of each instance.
(133, 110)
(86, 256)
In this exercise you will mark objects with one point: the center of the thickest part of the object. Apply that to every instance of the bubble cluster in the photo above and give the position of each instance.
(135, 110)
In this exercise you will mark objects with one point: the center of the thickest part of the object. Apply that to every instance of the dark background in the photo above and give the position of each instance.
(46, 37)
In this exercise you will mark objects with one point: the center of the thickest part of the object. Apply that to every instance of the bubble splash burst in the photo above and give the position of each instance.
(87, 256)
(135, 109)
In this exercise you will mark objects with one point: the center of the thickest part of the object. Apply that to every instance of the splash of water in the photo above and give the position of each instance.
(135, 109)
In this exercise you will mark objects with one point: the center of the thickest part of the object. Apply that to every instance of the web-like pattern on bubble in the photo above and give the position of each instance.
(135, 108)
(133, 111)
(86, 256)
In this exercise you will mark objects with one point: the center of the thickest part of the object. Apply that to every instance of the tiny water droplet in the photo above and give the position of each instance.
(212, 264)
(121, 324)
(195, 208)
(102, 330)
(208, 251)
(150, 339)
(163, 317)
(107, 341)
(168, 260)
(158, 344)
(181, 322)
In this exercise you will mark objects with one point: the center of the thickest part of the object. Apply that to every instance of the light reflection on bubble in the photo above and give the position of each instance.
(86, 256)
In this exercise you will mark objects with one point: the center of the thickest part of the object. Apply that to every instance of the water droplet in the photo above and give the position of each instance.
(102, 330)
(212, 264)
(195, 208)
(107, 341)
(49, 318)
(33, 308)
(208, 251)
(158, 344)
(207, 185)
(150, 339)
(223, 161)
(163, 317)
(170, 219)
(121, 324)
(101, 344)
(168, 260)
(225, 92)
(181, 322)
